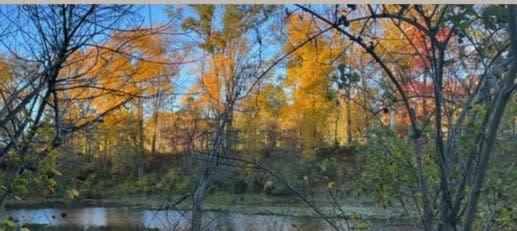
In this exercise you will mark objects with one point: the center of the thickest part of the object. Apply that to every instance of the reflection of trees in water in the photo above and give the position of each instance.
(242, 222)
(91, 217)
(174, 220)
(136, 219)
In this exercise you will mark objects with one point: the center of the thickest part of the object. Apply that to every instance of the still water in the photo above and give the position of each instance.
(100, 218)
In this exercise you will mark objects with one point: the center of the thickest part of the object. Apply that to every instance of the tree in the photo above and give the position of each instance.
(258, 121)
(308, 79)
(230, 74)
(61, 62)
(480, 109)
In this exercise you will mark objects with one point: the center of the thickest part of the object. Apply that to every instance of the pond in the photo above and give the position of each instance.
(101, 218)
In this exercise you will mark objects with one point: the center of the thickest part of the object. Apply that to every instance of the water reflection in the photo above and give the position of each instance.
(135, 219)
(165, 219)
(90, 217)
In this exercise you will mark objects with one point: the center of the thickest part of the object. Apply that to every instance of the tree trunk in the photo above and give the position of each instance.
(156, 107)
(503, 95)
(336, 125)
(211, 164)
(154, 137)
(140, 135)
(422, 184)
(348, 112)
(104, 162)
(187, 157)
(228, 133)
(196, 203)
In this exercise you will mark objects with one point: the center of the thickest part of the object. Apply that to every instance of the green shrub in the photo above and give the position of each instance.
(240, 187)
(173, 183)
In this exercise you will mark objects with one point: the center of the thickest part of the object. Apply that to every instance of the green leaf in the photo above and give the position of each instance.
(72, 193)
(330, 184)
(9, 223)
(52, 183)
(53, 172)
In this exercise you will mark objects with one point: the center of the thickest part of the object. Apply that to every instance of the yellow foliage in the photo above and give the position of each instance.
(218, 78)
(132, 63)
(308, 76)
(260, 119)
(5, 75)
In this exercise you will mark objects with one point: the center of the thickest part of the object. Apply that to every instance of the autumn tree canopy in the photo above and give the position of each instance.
(409, 107)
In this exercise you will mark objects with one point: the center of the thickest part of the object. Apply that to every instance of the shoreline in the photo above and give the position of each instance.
(267, 208)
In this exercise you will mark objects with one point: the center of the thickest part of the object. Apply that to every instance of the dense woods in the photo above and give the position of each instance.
(403, 107)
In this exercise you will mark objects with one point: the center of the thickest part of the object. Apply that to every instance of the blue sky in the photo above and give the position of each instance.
(156, 13)
(152, 14)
